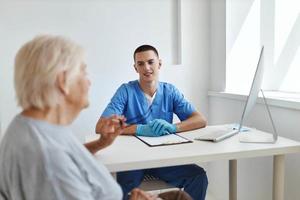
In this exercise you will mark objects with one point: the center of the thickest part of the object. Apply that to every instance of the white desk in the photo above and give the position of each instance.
(129, 153)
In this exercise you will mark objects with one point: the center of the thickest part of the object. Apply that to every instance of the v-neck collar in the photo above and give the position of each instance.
(143, 97)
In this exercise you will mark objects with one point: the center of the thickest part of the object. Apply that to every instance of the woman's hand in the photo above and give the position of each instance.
(109, 129)
(138, 194)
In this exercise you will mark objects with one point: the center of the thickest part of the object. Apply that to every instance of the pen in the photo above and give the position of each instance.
(121, 122)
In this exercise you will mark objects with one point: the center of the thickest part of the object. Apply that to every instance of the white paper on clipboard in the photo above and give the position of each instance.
(164, 140)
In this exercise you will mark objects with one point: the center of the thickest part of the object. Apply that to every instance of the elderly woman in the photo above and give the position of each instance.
(39, 156)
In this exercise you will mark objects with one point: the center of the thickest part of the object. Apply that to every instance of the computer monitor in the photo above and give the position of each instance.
(250, 103)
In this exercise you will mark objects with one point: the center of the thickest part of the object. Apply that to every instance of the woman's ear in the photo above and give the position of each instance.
(61, 83)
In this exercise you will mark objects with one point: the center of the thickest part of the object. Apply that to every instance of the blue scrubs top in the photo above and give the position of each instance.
(130, 101)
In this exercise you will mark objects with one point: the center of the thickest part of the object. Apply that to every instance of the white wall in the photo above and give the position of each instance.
(110, 31)
(105, 29)
(254, 175)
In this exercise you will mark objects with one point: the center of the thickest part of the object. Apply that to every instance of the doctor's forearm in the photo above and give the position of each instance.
(195, 121)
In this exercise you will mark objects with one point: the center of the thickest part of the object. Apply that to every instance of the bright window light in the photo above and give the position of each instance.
(274, 24)
(286, 44)
(291, 82)
(286, 13)
(242, 57)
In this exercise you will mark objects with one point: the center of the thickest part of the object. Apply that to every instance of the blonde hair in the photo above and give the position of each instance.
(37, 65)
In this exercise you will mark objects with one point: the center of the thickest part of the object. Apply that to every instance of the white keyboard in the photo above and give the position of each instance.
(217, 135)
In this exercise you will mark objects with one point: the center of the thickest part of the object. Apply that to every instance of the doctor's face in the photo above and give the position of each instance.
(147, 65)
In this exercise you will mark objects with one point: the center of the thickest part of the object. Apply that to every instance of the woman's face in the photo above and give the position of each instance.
(79, 88)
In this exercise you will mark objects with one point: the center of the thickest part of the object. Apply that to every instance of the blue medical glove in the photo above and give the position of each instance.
(145, 130)
(162, 127)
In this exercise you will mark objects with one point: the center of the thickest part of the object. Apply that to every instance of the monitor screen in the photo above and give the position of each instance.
(255, 88)
(251, 101)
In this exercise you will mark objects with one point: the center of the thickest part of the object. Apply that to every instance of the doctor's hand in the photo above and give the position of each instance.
(162, 127)
(145, 130)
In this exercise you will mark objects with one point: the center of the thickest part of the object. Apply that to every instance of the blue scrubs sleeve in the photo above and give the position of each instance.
(182, 108)
(117, 103)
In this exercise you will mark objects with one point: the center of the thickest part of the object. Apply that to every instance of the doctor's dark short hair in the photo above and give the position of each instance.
(143, 48)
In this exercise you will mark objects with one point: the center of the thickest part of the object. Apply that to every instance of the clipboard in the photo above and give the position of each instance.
(170, 139)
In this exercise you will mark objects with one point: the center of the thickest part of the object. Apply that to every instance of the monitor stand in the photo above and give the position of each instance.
(260, 137)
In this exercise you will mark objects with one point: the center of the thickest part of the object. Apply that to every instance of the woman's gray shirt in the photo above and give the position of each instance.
(41, 161)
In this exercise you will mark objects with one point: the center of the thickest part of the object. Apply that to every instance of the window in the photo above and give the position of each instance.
(272, 23)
